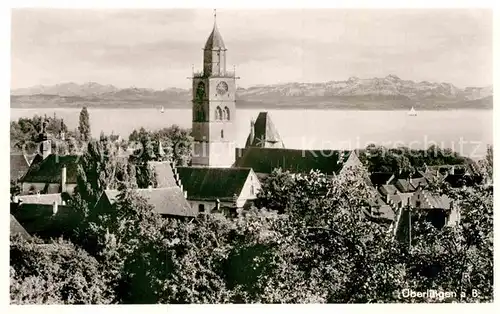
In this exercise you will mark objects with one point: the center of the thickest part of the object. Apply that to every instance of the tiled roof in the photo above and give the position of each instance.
(215, 41)
(203, 183)
(383, 212)
(19, 165)
(431, 175)
(416, 181)
(403, 185)
(388, 189)
(16, 228)
(400, 198)
(265, 160)
(380, 178)
(432, 200)
(166, 201)
(265, 133)
(39, 219)
(43, 199)
(49, 169)
(164, 174)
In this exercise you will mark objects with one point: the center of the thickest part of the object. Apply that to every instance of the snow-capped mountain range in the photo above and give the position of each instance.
(354, 90)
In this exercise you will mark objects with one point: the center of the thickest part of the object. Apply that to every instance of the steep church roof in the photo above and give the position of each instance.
(265, 160)
(214, 41)
(263, 133)
(165, 177)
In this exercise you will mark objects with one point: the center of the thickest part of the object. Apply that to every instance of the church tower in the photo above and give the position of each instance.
(44, 143)
(214, 107)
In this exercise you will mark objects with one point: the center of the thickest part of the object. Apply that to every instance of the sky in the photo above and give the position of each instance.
(156, 48)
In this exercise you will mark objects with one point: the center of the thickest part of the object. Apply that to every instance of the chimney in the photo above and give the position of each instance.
(217, 205)
(54, 208)
(161, 152)
(452, 170)
(150, 187)
(252, 132)
(63, 179)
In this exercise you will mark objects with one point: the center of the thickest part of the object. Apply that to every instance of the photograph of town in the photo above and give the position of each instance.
(214, 156)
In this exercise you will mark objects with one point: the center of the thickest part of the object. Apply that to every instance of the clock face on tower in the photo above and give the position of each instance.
(222, 88)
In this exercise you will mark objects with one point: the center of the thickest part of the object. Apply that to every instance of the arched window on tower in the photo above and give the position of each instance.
(218, 113)
(221, 133)
(226, 114)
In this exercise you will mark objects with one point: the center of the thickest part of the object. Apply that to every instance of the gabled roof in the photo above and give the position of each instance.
(16, 228)
(215, 41)
(49, 169)
(380, 178)
(19, 165)
(431, 175)
(39, 219)
(434, 200)
(384, 212)
(164, 174)
(264, 134)
(404, 185)
(415, 182)
(265, 160)
(388, 189)
(166, 201)
(400, 199)
(202, 183)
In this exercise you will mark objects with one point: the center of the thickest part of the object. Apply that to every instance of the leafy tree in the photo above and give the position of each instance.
(84, 125)
(177, 144)
(24, 132)
(459, 257)
(54, 273)
(99, 168)
(404, 161)
(486, 164)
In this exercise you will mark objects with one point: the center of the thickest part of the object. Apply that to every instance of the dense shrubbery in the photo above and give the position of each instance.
(406, 160)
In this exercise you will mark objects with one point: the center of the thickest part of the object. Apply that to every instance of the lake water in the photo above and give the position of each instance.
(465, 131)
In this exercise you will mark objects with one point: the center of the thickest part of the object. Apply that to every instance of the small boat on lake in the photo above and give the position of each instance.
(162, 110)
(412, 112)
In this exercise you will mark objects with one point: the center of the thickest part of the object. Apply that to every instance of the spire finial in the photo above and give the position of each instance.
(215, 15)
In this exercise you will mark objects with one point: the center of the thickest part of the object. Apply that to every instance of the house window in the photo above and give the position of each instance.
(417, 204)
(252, 190)
(201, 208)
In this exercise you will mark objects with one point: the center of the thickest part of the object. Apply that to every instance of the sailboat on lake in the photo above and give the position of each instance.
(162, 110)
(412, 112)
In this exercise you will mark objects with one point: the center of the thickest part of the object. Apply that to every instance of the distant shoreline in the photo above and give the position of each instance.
(250, 108)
